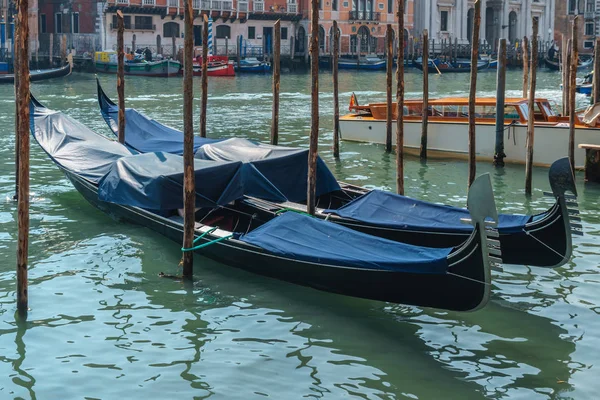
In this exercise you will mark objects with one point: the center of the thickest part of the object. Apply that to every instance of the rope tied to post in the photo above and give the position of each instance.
(200, 246)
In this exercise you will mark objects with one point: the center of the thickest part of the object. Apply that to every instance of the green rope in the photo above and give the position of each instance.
(200, 246)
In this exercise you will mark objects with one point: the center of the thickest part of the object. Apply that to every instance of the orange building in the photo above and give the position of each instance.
(360, 21)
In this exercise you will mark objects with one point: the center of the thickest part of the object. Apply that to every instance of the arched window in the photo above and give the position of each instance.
(364, 36)
(470, 15)
(223, 31)
(300, 38)
(321, 39)
(171, 29)
(512, 27)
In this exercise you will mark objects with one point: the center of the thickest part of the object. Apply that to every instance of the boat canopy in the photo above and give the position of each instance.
(73, 145)
(151, 180)
(396, 211)
(142, 133)
(155, 181)
(285, 167)
(311, 239)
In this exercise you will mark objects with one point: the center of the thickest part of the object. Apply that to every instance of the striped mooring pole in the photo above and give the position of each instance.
(210, 37)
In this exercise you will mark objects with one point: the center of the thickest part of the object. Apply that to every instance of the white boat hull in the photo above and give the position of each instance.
(450, 139)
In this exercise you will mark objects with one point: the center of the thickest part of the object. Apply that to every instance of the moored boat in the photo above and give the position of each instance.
(252, 64)
(554, 64)
(147, 189)
(541, 240)
(372, 63)
(217, 66)
(461, 65)
(448, 129)
(43, 74)
(139, 67)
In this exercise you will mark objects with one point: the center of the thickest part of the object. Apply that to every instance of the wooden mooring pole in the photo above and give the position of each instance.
(425, 114)
(596, 77)
(121, 75)
(17, 111)
(390, 67)
(204, 77)
(22, 101)
(572, 89)
(500, 89)
(531, 103)
(336, 100)
(473, 92)
(276, 78)
(567, 78)
(314, 124)
(526, 65)
(189, 183)
(400, 100)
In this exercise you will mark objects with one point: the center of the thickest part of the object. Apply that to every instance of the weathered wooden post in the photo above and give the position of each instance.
(51, 50)
(526, 65)
(16, 70)
(400, 104)
(531, 103)
(22, 100)
(227, 46)
(572, 89)
(336, 100)
(425, 113)
(390, 67)
(174, 44)
(473, 92)
(121, 75)
(567, 79)
(596, 76)
(204, 76)
(133, 44)
(500, 88)
(276, 77)
(63, 49)
(314, 125)
(189, 183)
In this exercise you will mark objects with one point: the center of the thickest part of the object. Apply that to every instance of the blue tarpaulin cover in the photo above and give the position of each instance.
(152, 180)
(395, 211)
(286, 168)
(73, 145)
(310, 239)
(142, 133)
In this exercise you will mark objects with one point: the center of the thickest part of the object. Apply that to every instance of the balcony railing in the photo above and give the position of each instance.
(364, 16)
(258, 6)
(136, 27)
(243, 6)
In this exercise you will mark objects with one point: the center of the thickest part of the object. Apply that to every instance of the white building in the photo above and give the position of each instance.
(510, 19)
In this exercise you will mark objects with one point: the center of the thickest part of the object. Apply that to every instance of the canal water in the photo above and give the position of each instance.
(104, 325)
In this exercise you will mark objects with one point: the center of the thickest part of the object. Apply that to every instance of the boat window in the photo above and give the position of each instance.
(485, 111)
(524, 110)
(510, 112)
(547, 109)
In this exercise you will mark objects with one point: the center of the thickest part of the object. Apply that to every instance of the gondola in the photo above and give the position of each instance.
(437, 65)
(147, 189)
(581, 66)
(42, 74)
(542, 240)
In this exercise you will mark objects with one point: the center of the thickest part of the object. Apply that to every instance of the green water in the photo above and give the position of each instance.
(104, 325)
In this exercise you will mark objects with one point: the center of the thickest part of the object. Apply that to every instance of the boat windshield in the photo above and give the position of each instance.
(546, 108)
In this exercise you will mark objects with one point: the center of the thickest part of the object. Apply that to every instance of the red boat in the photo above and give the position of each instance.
(217, 66)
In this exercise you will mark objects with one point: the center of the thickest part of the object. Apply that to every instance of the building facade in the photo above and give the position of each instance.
(362, 24)
(8, 14)
(510, 19)
(588, 12)
(159, 24)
